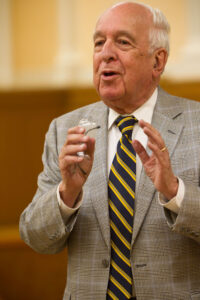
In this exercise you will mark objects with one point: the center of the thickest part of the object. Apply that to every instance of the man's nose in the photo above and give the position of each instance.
(108, 51)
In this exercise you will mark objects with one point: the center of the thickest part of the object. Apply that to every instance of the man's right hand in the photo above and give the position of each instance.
(75, 169)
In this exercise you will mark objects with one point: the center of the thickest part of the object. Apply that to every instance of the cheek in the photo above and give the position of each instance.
(130, 73)
(95, 66)
(135, 69)
(95, 78)
(95, 82)
(96, 63)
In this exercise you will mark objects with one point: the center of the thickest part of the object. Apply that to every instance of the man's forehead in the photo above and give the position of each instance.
(126, 9)
(123, 14)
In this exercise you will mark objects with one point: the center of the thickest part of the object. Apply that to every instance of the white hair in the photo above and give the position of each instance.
(159, 33)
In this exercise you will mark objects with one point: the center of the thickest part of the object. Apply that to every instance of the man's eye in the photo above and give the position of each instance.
(98, 43)
(123, 42)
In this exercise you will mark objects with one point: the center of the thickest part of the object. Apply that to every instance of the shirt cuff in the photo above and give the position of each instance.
(175, 203)
(67, 211)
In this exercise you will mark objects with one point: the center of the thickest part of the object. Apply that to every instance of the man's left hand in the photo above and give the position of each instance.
(157, 165)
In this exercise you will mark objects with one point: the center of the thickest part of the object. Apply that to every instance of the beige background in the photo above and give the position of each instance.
(51, 40)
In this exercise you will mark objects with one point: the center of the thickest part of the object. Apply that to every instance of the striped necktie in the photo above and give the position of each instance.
(121, 194)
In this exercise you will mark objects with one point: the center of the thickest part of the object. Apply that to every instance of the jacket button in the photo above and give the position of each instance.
(105, 263)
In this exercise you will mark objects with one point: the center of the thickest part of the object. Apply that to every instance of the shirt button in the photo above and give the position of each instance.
(105, 263)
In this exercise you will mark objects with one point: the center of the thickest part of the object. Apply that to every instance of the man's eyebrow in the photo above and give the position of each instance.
(125, 33)
(117, 34)
(97, 34)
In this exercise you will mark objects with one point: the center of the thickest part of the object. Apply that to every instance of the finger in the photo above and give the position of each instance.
(90, 147)
(147, 126)
(153, 134)
(162, 156)
(154, 138)
(76, 130)
(143, 124)
(72, 149)
(140, 150)
(67, 161)
(74, 134)
(76, 139)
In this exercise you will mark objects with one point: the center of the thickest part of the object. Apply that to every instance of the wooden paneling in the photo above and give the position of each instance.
(24, 120)
(26, 275)
(189, 90)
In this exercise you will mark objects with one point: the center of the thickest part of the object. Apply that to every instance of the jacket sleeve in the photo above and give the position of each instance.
(187, 221)
(41, 224)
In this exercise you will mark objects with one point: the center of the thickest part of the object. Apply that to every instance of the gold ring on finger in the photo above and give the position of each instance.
(163, 149)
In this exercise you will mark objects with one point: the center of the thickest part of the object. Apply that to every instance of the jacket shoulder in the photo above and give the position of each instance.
(92, 111)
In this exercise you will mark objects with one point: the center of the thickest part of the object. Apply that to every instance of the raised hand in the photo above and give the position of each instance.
(75, 169)
(157, 165)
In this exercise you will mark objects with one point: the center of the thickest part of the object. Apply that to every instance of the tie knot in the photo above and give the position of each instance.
(126, 124)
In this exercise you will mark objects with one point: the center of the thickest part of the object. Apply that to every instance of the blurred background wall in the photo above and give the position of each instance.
(46, 70)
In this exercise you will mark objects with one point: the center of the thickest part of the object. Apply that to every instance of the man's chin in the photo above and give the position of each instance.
(113, 102)
(111, 90)
(110, 96)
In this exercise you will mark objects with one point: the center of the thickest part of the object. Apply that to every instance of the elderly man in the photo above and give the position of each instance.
(129, 208)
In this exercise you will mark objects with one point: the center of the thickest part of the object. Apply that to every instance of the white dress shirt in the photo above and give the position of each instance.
(145, 112)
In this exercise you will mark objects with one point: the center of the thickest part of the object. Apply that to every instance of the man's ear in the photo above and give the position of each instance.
(159, 62)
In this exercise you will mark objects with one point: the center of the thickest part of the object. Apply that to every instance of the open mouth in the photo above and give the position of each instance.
(109, 74)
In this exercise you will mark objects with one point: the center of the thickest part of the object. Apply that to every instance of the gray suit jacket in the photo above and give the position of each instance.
(165, 247)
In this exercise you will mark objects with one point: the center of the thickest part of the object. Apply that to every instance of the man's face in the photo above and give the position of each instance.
(122, 63)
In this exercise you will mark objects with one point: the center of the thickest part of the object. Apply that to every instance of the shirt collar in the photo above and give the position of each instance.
(144, 112)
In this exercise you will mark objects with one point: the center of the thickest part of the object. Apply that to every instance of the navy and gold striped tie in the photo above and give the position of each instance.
(121, 194)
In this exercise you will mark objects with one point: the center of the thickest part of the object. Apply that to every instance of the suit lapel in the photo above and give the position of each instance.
(98, 177)
(167, 119)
